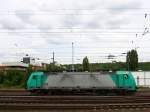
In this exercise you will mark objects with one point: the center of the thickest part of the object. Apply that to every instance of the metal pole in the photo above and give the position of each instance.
(138, 81)
(72, 57)
(144, 79)
(128, 62)
(53, 58)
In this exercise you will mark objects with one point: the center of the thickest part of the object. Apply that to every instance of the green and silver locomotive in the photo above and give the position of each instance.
(120, 82)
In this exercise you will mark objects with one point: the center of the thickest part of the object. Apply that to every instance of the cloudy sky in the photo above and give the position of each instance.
(98, 28)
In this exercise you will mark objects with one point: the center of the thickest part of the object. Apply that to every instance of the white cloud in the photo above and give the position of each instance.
(99, 27)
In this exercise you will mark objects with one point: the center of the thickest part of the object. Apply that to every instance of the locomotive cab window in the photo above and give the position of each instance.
(34, 77)
(126, 76)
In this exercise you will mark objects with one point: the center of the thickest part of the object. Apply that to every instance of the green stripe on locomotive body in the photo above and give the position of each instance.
(124, 80)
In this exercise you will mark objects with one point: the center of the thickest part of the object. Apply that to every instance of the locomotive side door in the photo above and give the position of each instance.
(34, 82)
(37, 81)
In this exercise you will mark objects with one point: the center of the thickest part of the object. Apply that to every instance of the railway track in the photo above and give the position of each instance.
(14, 92)
(21, 99)
(74, 99)
(74, 102)
(75, 106)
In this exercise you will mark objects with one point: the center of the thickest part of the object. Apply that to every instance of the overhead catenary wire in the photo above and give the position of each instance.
(70, 12)
(82, 47)
(46, 32)
(73, 28)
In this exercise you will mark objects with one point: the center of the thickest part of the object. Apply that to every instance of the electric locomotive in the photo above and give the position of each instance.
(119, 82)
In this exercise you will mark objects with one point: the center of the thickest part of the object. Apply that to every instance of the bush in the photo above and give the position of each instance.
(12, 79)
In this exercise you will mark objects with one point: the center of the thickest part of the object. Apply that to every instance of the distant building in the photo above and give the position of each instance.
(24, 64)
(28, 60)
(13, 66)
(44, 66)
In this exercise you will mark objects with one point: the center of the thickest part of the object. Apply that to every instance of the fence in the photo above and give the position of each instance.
(142, 78)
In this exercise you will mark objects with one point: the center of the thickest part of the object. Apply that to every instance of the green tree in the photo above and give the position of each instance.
(85, 64)
(132, 60)
(54, 68)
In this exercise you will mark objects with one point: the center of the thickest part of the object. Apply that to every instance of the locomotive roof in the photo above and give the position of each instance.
(79, 73)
